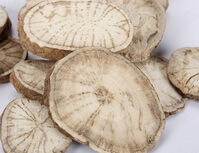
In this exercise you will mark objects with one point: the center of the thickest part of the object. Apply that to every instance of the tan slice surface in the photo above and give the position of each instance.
(164, 3)
(52, 27)
(183, 71)
(3, 18)
(27, 127)
(155, 69)
(11, 53)
(149, 20)
(28, 78)
(103, 100)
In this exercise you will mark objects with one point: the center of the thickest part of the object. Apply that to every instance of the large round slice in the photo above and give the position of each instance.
(53, 29)
(5, 24)
(155, 69)
(27, 127)
(183, 71)
(149, 20)
(11, 53)
(103, 100)
(28, 78)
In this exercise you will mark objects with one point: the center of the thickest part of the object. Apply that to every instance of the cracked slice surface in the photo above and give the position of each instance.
(28, 78)
(183, 71)
(149, 20)
(27, 127)
(103, 100)
(164, 3)
(52, 29)
(11, 53)
(155, 69)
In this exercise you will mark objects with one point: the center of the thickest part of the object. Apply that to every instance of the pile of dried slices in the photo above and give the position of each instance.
(102, 86)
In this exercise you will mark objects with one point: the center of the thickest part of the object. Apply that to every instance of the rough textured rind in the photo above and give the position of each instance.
(149, 19)
(5, 24)
(164, 3)
(94, 25)
(11, 53)
(183, 71)
(28, 78)
(27, 127)
(95, 102)
(155, 69)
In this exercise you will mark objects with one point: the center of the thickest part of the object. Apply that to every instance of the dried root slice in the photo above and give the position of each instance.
(164, 3)
(183, 71)
(170, 99)
(149, 20)
(103, 100)
(27, 127)
(28, 78)
(52, 29)
(5, 24)
(11, 53)
(31, 3)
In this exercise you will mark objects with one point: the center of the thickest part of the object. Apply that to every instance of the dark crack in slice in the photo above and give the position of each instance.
(27, 127)
(170, 98)
(149, 19)
(53, 29)
(103, 100)
(183, 71)
(5, 24)
(11, 53)
(164, 3)
(28, 78)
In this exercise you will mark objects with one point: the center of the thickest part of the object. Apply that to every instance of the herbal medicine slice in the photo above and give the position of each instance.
(103, 100)
(3, 18)
(28, 78)
(149, 20)
(183, 71)
(11, 53)
(5, 24)
(155, 69)
(27, 127)
(53, 29)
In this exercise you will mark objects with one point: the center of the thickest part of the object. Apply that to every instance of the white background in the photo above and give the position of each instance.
(181, 134)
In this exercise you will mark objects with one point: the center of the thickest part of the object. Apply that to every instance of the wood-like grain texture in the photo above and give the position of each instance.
(155, 69)
(53, 26)
(149, 20)
(11, 53)
(28, 78)
(183, 71)
(103, 100)
(26, 127)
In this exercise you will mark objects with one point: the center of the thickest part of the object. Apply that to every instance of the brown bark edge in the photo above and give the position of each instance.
(45, 52)
(26, 92)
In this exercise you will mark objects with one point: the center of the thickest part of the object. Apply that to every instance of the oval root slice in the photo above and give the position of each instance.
(28, 78)
(149, 20)
(170, 98)
(11, 53)
(53, 29)
(5, 24)
(103, 100)
(183, 71)
(27, 127)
